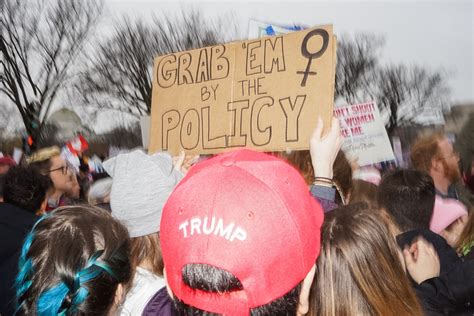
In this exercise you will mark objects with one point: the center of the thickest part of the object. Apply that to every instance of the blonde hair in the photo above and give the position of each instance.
(44, 154)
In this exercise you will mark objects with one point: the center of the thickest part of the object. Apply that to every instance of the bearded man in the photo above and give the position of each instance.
(435, 155)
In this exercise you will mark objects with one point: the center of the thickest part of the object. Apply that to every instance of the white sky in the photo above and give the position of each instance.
(436, 34)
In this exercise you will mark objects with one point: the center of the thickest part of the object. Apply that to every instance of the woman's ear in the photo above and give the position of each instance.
(119, 299)
(119, 295)
(303, 305)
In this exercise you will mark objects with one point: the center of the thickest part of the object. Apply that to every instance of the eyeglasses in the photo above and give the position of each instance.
(64, 169)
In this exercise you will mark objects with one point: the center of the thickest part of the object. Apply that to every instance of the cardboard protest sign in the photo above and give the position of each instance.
(265, 93)
(365, 137)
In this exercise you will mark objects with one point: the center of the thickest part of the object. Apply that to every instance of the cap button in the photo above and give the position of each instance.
(228, 161)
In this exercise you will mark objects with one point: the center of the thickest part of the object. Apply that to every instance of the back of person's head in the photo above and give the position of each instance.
(240, 236)
(409, 197)
(363, 191)
(359, 270)
(25, 188)
(75, 261)
(424, 149)
(140, 186)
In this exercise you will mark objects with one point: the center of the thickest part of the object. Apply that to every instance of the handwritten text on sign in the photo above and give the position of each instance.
(365, 137)
(265, 94)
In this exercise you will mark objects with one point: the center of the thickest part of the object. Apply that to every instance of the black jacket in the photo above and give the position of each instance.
(15, 223)
(452, 293)
(447, 255)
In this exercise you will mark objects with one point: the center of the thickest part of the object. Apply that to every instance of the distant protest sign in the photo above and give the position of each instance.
(265, 93)
(365, 137)
(259, 29)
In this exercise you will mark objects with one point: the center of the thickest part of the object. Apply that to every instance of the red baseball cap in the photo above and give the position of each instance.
(247, 213)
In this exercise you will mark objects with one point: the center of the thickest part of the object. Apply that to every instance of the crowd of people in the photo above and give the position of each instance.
(240, 233)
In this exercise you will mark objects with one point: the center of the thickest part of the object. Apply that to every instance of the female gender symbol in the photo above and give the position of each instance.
(304, 51)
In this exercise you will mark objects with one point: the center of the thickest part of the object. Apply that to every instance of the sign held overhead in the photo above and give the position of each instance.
(265, 93)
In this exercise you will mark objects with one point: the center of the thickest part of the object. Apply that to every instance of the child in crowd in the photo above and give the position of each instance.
(141, 185)
(75, 261)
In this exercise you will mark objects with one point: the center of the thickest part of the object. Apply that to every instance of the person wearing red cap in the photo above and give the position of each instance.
(240, 235)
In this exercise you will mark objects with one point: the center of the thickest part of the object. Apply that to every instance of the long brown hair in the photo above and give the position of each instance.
(359, 271)
(72, 262)
(363, 191)
(147, 249)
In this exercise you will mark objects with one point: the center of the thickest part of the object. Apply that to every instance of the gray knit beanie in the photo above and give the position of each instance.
(141, 185)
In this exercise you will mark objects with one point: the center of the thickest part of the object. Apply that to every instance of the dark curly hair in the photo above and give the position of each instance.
(26, 188)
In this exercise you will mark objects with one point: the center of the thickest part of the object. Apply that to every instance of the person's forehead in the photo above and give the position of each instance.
(57, 161)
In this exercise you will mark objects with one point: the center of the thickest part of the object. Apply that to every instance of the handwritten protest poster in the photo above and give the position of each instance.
(264, 93)
(365, 137)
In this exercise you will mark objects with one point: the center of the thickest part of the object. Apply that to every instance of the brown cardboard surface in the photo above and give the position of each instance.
(265, 94)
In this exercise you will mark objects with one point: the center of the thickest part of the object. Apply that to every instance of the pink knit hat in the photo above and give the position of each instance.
(445, 212)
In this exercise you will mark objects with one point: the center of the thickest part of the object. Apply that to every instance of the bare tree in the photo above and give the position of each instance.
(357, 59)
(121, 73)
(403, 93)
(39, 44)
(407, 94)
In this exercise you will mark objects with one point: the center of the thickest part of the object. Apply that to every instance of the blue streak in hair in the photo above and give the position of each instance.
(51, 300)
(25, 264)
(49, 303)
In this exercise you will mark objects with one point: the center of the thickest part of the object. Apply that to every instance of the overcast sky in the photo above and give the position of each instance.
(438, 35)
